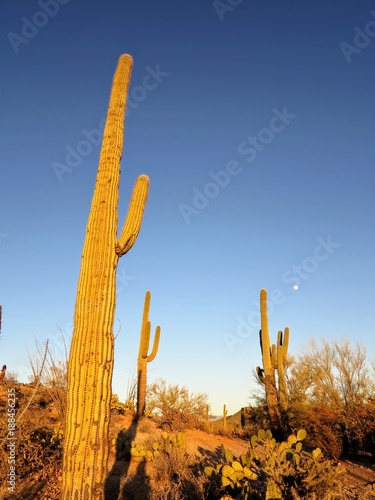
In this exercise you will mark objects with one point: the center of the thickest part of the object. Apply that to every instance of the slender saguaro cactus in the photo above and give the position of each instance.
(273, 358)
(144, 357)
(225, 413)
(86, 442)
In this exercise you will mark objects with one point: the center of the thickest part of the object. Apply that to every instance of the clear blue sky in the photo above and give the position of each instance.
(255, 122)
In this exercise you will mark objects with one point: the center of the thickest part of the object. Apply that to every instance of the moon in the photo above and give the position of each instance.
(295, 287)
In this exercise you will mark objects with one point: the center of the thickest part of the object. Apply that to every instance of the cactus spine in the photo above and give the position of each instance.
(143, 356)
(273, 358)
(86, 443)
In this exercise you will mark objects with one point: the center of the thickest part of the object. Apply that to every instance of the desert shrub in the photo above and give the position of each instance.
(360, 428)
(333, 373)
(179, 476)
(171, 473)
(130, 404)
(146, 425)
(174, 420)
(39, 451)
(330, 386)
(117, 406)
(175, 407)
(131, 392)
(324, 428)
(272, 470)
(51, 373)
(254, 418)
(11, 379)
(56, 379)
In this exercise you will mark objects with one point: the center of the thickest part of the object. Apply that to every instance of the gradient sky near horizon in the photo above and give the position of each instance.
(255, 123)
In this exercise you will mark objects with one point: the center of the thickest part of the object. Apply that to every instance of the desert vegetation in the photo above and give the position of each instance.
(176, 451)
(77, 440)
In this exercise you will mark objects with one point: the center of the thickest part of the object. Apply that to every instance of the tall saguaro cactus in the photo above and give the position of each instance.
(273, 358)
(86, 443)
(143, 356)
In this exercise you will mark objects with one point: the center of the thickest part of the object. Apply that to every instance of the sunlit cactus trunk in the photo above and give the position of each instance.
(273, 358)
(86, 442)
(269, 373)
(144, 357)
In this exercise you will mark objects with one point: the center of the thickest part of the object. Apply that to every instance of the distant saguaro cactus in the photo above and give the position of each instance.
(225, 413)
(90, 367)
(273, 358)
(143, 356)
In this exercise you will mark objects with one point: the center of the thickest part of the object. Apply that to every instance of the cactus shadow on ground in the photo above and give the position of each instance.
(210, 456)
(138, 487)
(121, 466)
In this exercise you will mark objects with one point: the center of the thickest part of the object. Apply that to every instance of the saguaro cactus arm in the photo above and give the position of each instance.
(155, 346)
(264, 334)
(283, 394)
(144, 343)
(282, 350)
(134, 217)
(284, 341)
(260, 373)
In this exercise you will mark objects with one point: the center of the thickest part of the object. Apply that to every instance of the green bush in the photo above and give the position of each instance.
(117, 406)
(324, 427)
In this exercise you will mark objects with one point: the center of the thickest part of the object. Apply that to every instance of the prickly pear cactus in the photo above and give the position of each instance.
(141, 453)
(273, 471)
